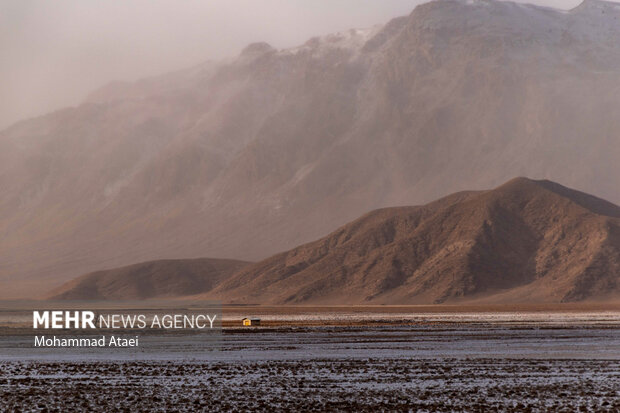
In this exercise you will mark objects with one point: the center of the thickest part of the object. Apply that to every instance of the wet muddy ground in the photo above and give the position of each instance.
(469, 365)
(314, 385)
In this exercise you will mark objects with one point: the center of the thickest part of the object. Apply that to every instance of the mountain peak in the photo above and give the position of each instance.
(528, 187)
(257, 49)
(597, 7)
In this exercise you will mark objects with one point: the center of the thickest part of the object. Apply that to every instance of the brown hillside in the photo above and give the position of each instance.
(163, 278)
(525, 241)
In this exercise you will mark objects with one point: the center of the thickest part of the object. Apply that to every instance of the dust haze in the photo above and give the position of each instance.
(270, 146)
(52, 54)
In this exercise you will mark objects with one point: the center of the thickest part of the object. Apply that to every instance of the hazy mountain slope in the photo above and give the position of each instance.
(253, 155)
(162, 278)
(526, 241)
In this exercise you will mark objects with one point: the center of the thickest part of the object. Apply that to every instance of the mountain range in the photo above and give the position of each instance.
(257, 154)
(524, 242)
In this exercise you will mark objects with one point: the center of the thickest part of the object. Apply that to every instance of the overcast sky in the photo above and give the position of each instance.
(52, 53)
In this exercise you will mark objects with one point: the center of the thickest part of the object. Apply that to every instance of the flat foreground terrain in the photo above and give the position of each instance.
(318, 384)
(427, 362)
